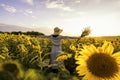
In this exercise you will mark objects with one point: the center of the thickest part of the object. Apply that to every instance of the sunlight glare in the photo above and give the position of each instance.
(101, 25)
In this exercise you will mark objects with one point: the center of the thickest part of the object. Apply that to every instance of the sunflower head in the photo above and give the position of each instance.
(6, 76)
(32, 74)
(102, 65)
(99, 63)
(12, 67)
(63, 57)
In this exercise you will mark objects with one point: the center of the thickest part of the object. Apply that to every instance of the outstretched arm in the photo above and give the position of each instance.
(45, 36)
(71, 37)
(85, 32)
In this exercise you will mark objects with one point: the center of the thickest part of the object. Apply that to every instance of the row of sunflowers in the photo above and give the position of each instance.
(23, 57)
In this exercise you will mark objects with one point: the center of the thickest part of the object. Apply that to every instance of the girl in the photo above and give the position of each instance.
(56, 46)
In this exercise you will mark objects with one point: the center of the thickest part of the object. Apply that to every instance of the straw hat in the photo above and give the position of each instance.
(57, 30)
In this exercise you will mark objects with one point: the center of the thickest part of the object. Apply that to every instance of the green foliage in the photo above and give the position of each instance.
(34, 53)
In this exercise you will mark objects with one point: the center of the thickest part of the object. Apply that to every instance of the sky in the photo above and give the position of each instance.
(102, 16)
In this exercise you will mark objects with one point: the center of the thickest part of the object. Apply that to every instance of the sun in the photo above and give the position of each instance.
(98, 63)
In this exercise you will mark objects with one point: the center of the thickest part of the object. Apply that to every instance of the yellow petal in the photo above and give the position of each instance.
(85, 78)
(82, 70)
(92, 49)
(100, 50)
(105, 44)
(90, 76)
(116, 77)
(82, 57)
(85, 52)
(2, 57)
(109, 49)
(117, 54)
(81, 62)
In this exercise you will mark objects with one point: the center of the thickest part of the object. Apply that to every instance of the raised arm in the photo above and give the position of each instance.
(85, 32)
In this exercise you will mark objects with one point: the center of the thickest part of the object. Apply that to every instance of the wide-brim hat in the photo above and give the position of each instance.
(57, 30)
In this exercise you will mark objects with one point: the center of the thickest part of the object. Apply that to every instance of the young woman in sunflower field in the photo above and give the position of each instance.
(56, 45)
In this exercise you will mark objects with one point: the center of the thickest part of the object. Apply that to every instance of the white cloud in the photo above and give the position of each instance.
(58, 4)
(8, 8)
(26, 12)
(95, 2)
(77, 1)
(34, 17)
(29, 11)
(30, 2)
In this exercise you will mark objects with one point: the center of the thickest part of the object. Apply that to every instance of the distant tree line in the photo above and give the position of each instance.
(32, 33)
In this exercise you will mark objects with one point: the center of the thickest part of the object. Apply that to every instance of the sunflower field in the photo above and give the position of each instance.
(24, 57)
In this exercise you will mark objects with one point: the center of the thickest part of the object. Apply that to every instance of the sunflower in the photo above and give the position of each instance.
(32, 74)
(63, 57)
(6, 76)
(98, 63)
(12, 67)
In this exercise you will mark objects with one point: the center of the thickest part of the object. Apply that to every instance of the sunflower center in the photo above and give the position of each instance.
(11, 67)
(102, 65)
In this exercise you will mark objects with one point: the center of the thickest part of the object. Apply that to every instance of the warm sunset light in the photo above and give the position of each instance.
(102, 16)
(100, 25)
(59, 39)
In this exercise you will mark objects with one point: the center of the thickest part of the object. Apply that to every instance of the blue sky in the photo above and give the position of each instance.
(103, 16)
